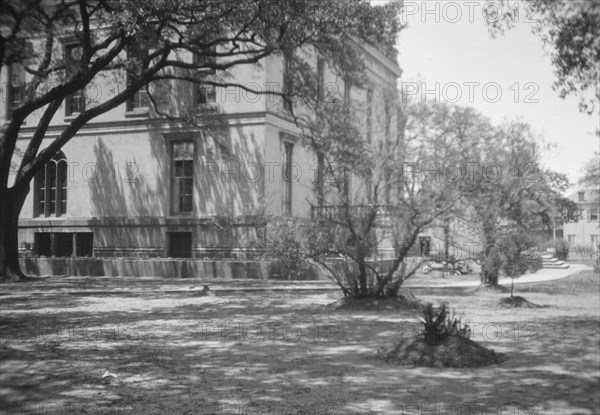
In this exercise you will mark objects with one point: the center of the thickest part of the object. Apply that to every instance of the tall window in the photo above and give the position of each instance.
(75, 103)
(346, 185)
(182, 176)
(581, 196)
(287, 178)
(321, 79)
(387, 118)
(424, 246)
(320, 179)
(369, 115)
(140, 98)
(207, 58)
(180, 244)
(204, 93)
(288, 80)
(593, 214)
(347, 92)
(50, 188)
(387, 178)
(15, 88)
(369, 185)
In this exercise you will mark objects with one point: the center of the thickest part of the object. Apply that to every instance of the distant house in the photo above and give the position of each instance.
(586, 230)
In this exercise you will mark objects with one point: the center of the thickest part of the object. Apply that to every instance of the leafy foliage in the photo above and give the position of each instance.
(518, 254)
(591, 173)
(571, 31)
(501, 186)
(439, 326)
(518, 198)
(286, 253)
(561, 249)
(386, 206)
(504, 189)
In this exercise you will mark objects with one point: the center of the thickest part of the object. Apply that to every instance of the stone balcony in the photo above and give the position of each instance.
(356, 212)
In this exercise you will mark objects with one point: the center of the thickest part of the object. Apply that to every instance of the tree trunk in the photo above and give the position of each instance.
(490, 257)
(11, 203)
(362, 272)
(512, 286)
(490, 271)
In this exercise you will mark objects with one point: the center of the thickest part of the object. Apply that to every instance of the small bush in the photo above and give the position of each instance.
(561, 249)
(534, 262)
(439, 326)
(289, 262)
(519, 254)
(583, 252)
(284, 250)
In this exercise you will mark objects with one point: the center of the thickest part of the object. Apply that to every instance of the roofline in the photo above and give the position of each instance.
(390, 64)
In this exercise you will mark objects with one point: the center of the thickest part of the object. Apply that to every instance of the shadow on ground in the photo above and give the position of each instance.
(177, 354)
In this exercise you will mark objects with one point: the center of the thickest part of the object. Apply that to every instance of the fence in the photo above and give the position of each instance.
(582, 253)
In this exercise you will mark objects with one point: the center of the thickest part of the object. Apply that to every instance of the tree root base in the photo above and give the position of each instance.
(11, 276)
(517, 301)
(404, 301)
(454, 352)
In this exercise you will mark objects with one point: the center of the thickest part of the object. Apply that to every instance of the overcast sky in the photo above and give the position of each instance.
(507, 77)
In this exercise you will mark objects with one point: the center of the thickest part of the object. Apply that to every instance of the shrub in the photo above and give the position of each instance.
(286, 252)
(561, 249)
(439, 326)
(583, 252)
(534, 262)
(289, 262)
(519, 254)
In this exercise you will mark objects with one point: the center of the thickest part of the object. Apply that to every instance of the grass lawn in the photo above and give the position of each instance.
(272, 352)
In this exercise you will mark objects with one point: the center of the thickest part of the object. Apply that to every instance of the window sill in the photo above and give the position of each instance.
(211, 107)
(72, 116)
(137, 113)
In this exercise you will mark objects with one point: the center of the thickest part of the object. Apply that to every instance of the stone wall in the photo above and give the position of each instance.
(161, 267)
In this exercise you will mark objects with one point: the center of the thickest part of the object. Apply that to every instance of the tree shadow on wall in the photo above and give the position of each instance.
(229, 176)
(120, 191)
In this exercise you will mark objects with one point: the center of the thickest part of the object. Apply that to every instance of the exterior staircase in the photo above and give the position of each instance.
(549, 261)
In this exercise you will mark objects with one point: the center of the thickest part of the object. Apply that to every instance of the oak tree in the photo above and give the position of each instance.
(143, 40)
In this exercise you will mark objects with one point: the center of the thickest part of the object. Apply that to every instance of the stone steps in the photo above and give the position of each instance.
(550, 262)
(563, 266)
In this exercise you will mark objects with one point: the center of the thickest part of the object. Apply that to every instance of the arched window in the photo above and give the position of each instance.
(50, 191)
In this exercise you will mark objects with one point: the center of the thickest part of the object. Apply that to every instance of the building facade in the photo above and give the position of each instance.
(132, 183)
(585, 231)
